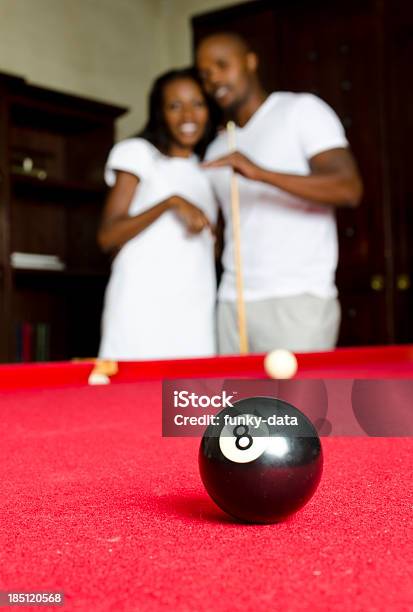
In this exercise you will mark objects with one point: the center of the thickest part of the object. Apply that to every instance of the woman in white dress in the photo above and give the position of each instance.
(159, 219)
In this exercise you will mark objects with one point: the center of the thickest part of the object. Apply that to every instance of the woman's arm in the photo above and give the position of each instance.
(117, 227)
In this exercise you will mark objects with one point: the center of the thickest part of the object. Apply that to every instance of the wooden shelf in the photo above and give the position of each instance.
(67, 139)
(21, 181)
(69, 272)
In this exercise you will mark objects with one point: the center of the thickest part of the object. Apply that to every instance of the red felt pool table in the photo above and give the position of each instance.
(97, 504)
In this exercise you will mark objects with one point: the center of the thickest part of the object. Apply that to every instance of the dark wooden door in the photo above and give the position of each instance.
(399, 97)
(337, 51)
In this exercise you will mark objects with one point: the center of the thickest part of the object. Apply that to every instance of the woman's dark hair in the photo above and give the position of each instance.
(156, 130)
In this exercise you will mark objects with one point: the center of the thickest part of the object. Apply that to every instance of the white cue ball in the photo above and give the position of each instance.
(280, 364)
(96, 378)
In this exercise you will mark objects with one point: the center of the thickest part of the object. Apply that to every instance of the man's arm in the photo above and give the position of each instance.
(333, 180)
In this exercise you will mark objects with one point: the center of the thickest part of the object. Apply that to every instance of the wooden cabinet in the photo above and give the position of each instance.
(356, 55)
(53, 149)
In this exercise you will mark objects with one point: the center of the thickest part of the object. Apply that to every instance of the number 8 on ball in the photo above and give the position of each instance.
(256, 471)
(242, 443)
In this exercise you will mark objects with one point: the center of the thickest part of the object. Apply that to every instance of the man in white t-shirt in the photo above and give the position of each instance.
(294, 168)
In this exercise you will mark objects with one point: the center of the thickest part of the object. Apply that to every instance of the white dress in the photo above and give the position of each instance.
(160, 299)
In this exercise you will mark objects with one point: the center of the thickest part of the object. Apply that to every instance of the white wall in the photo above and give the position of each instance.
(109, 50)
(177, 26)
(103, 49)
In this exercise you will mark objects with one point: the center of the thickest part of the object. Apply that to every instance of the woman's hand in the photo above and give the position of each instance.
(192, 217)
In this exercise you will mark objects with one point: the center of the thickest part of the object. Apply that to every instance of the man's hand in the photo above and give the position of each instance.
(192, 217)
(238, 162)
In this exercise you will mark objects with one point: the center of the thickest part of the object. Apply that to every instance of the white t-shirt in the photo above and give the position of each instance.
(288, 244)
(160, 299)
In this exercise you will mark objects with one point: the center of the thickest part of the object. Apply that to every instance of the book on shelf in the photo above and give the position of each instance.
(32, 342)
(36, 261)
(19, 343)
(42, 342)
(27, 342)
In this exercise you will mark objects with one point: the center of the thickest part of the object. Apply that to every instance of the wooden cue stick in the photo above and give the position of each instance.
(236, 230)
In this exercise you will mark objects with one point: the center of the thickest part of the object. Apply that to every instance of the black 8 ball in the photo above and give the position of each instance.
(262, 462)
